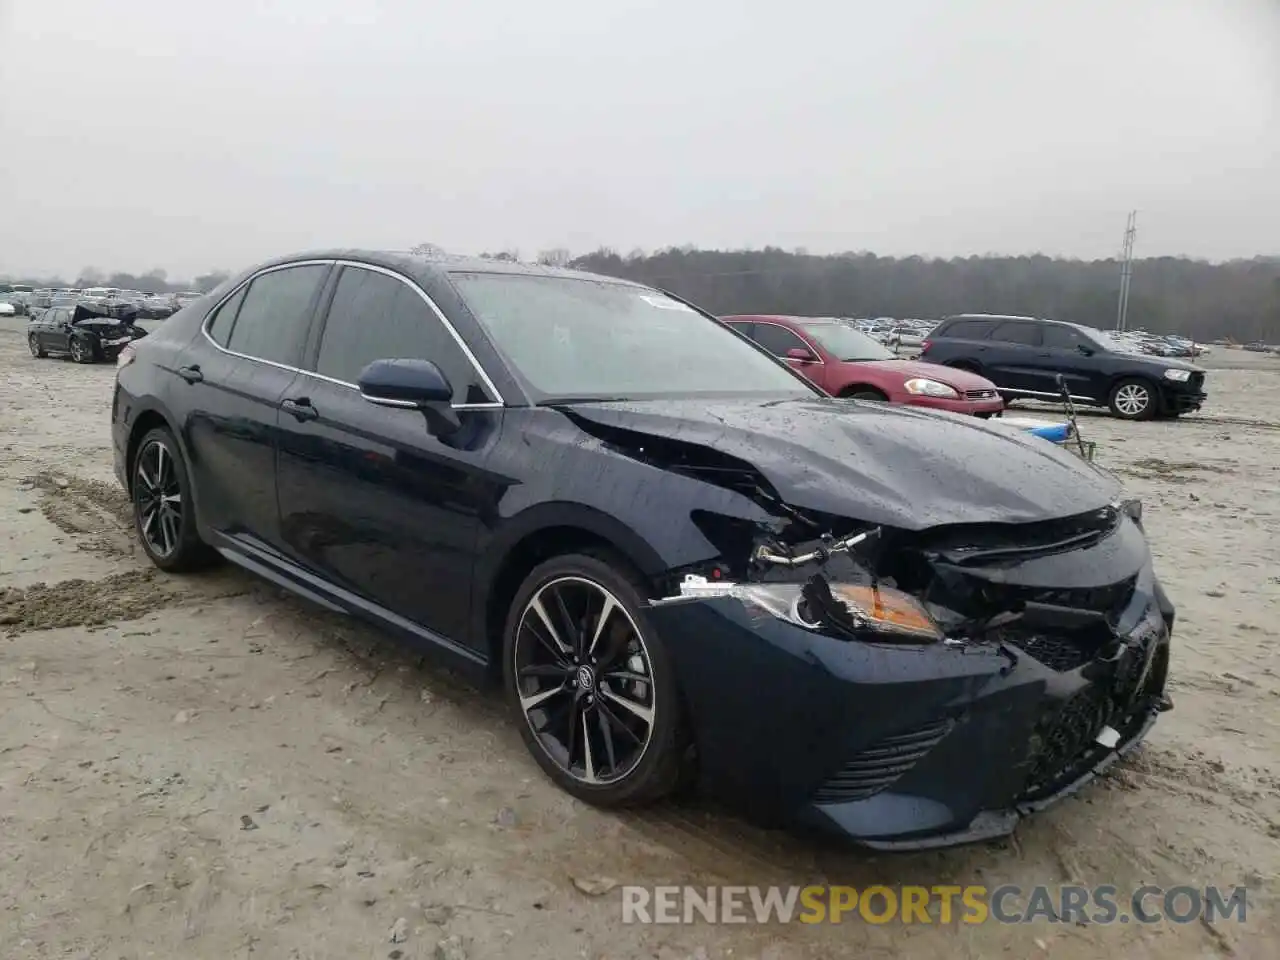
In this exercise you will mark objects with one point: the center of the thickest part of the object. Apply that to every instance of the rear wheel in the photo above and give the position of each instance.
(592, 683)
(33, 344)
(163, 508)
(1133, 399)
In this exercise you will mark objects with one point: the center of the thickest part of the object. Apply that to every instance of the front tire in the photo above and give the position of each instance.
(1133, 399)
(33, 344)
(592, 684)
(163, 507)
(81, 352)
(866, 394)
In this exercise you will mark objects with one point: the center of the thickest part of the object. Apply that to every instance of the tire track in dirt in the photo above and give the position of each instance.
(96, 513)
(129, 595)
(99, 517)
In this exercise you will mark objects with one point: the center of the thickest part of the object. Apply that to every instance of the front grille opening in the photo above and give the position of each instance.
(882, 764)
(1062, 652)
(1064, 744)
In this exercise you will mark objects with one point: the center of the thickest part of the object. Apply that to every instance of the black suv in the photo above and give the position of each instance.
(1023, 356)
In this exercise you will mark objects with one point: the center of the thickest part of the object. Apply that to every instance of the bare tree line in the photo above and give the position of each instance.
(1239, 299)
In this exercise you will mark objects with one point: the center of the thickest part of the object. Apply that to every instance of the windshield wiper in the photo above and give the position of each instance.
(567, 401)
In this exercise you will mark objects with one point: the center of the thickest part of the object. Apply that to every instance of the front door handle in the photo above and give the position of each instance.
(301, 409)
(191, 374)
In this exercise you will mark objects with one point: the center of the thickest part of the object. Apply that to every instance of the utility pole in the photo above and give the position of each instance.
(1126, 270)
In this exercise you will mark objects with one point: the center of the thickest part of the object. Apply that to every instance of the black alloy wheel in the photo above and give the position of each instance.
(592, 684)
(33, 344)
(162, 506)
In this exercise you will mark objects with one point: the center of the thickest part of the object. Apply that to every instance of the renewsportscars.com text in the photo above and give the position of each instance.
(941, 904)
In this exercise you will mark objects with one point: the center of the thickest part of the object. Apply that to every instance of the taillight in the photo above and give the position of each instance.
(925, 344)
(125, 357)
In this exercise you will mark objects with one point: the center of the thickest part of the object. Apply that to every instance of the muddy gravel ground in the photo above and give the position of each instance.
(203, 767)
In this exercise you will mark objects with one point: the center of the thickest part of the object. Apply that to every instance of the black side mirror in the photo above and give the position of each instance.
(404, 383)
(412, 385)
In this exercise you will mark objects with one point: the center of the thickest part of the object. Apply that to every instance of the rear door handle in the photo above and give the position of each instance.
(301, 409)
(191, 374)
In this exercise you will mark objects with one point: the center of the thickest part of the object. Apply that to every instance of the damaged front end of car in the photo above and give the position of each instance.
(921, 687)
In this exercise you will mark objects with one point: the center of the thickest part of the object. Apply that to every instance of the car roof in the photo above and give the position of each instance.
(777, 318)
(1003, 317)
(431, 267)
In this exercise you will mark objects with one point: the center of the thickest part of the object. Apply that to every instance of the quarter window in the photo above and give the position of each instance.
(374, 316)
(1024, 334)
(271, 323)
(223, 318)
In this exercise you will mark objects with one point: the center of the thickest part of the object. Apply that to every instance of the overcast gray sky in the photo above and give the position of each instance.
(142, 133)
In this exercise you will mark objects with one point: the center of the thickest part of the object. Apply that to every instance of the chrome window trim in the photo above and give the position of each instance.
(497, 404)
(770, 323)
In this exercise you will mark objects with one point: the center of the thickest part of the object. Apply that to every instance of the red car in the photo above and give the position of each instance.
(847, 363)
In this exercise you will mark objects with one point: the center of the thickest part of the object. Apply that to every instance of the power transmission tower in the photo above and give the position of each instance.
(1126, 270)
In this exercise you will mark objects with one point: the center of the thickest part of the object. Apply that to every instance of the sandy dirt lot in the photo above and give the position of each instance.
(204, 768)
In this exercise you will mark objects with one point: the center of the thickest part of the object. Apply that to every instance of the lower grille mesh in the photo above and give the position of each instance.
(1064, 744)
(878, 766)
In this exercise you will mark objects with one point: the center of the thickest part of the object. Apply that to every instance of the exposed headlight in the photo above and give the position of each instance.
(886, 614)
(1178, 376)
(930, 388)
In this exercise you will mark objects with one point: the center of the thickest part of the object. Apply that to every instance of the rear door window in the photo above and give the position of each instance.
(272, 321)
(968, 329)
(1063, 338)
(1023, 334)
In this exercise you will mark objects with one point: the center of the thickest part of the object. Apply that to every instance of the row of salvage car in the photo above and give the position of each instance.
(685, 563)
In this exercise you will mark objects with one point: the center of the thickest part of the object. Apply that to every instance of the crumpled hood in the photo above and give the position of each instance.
(881, 463)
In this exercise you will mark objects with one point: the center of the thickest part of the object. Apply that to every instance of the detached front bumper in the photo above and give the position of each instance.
(905, 747)
(1182, 401)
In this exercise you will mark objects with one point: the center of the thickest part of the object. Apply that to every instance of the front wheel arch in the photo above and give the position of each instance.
(1153, 405)
(863, 391)
(560, 532)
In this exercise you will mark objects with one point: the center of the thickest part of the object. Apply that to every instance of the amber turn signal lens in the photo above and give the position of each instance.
(887, 610)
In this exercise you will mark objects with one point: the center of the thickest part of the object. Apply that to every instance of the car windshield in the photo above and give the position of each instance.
(845, 342)
(572, 339)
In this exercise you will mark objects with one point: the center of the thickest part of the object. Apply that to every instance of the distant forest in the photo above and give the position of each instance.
(1239, 299)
